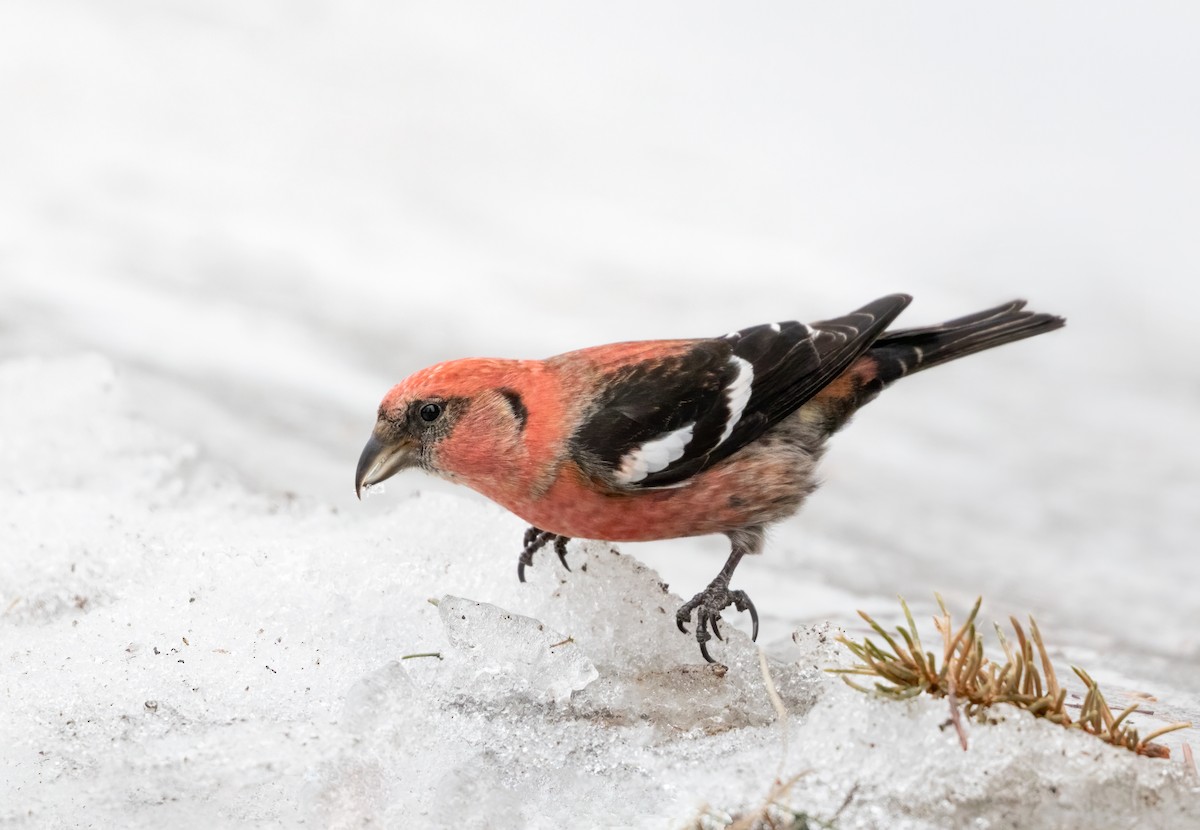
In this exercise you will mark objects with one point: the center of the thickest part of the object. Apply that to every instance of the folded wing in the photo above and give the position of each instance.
(662, 421)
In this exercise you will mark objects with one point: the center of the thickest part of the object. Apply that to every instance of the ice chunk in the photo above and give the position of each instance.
(623, 617)
(519, 654)
(372, 490)
(376, 695)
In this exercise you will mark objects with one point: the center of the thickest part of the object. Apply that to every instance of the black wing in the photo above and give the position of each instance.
(662, 421)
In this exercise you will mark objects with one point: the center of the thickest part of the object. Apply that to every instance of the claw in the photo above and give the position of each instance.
(708, 605)
(535, 540)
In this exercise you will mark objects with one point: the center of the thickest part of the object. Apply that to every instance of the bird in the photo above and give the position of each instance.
(661, 439)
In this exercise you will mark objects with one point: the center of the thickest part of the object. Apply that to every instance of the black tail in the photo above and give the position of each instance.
(904, 351)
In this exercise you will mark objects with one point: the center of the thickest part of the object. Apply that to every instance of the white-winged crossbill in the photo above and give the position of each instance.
(665, 438)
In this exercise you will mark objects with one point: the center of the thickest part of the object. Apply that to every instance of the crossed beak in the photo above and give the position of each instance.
(380, 460)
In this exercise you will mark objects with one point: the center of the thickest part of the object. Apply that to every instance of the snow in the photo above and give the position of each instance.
(226, 230)
(181, 649)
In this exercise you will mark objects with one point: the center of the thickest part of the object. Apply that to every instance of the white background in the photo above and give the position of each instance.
(262, 215)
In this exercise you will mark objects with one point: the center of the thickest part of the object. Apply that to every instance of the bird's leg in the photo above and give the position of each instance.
(535, 540)
(709, 603)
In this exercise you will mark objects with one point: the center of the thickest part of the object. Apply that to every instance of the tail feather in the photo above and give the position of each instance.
(904, 351)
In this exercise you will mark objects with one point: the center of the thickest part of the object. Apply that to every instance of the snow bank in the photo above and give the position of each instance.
(176, 649)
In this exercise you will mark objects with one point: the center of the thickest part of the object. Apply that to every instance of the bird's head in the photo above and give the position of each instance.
(453, 419)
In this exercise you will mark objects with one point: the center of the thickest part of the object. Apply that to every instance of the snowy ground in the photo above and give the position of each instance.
(226, 229)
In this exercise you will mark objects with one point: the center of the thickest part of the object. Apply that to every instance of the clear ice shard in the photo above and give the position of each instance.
(513, 654)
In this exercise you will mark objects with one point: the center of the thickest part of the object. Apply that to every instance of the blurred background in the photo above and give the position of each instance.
(267, 213)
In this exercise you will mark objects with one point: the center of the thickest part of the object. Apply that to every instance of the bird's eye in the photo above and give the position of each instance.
(430, 412)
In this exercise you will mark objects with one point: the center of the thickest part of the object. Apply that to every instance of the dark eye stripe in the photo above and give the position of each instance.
(520, 412)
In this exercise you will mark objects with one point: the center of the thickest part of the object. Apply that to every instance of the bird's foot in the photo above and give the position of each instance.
(708, 605)
(535, 540)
